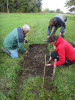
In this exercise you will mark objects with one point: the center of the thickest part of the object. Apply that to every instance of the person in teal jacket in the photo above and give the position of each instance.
(16, 39)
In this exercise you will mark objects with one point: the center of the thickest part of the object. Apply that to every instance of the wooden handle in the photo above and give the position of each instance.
(54, 69)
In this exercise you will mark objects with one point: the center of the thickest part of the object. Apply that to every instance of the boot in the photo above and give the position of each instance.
(5, 51)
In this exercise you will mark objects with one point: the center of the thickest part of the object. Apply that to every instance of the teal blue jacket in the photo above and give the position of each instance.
(15, 39)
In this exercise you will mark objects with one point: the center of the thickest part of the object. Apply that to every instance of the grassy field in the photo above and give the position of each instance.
(10, 68)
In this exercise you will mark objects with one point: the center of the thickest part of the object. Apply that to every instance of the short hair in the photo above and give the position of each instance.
(52, 38)
(25, 27)
(52, 22)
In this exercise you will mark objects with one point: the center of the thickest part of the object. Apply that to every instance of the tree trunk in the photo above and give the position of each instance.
(7, 7)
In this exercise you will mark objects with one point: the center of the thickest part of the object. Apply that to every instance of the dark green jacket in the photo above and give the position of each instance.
(15, 39)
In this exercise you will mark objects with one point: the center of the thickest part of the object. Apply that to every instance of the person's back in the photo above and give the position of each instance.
(69, 51)
(10, 41)
(65, 48)
(62, 17)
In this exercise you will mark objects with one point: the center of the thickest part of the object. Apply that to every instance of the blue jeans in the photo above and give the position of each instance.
(14, 53)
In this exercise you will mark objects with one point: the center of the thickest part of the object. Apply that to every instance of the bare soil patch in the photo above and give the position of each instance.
(34, 61)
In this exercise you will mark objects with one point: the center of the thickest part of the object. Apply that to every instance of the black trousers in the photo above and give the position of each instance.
(54, 55)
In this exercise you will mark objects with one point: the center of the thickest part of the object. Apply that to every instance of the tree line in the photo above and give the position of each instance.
(20, 6)
(25, 6)
(52, 11)
(70, 4)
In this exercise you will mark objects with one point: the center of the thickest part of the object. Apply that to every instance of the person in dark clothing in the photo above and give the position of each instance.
(56, 22)
(64, 52)
(16, 39)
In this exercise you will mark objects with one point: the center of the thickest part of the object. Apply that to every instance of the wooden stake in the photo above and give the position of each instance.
(44, 73)
(54, 69)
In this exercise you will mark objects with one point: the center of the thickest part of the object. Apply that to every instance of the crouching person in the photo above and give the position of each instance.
(16, 39)
(57, 22)
(64, 52)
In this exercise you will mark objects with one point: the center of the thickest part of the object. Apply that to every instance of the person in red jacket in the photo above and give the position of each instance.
(64, 52)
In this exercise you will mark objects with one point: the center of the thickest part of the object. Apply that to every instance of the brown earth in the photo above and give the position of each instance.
(34, 61)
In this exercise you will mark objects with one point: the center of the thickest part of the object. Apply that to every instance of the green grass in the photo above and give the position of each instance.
(65, 82)
(10, 68)
(33, 90)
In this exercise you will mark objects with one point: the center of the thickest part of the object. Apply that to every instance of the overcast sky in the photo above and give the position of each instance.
(54, 4)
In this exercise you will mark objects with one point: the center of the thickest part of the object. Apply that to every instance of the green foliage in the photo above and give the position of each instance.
(66, 84)
(58, 11)
(32, 89)
(52, 11)
(2, 97)
(46, 10)
(20, 5)
(31, 86)
(71, 5)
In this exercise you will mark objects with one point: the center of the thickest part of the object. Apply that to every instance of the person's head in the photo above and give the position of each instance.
(25, 28)
(52, 22)
(53, 39)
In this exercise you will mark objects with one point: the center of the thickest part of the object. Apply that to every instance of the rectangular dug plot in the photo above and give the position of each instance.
(35, 60)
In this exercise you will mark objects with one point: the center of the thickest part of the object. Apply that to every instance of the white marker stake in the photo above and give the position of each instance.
(54, 69)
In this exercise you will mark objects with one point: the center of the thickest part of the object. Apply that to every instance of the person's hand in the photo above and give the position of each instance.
(60, 34)
(26, 52)
(48, 64)
(50, 59)
(26, 41)
(54, 47)
(48, 37)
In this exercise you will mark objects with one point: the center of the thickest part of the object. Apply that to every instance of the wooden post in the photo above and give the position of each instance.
(54, 69)
(44, 73)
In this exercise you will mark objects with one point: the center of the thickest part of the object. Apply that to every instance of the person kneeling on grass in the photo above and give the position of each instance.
(16, 39)
(64, 52)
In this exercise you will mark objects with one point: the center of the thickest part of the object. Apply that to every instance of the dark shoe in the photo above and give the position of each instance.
(2, 49)
(5, 51)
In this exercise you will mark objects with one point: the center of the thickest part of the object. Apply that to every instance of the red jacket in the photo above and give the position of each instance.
(64, 49)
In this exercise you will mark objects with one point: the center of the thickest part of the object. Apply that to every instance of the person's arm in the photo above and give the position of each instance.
(61, 53)
(21, 47)
(20, 40)
(48, 65)
(49, 30)
(26, 41)
(50, 59)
